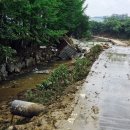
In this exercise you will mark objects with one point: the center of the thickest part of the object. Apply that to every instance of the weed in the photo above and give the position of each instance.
(52, 88)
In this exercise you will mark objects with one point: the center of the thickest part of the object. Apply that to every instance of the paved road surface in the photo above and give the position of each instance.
(104, 101)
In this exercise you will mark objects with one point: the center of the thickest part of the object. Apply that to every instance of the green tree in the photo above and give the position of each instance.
(41, 21)
(112, 26)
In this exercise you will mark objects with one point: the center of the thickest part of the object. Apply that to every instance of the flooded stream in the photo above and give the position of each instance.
(10, 89)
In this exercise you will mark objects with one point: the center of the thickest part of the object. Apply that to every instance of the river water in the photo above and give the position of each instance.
(10, 89)
(104, 100)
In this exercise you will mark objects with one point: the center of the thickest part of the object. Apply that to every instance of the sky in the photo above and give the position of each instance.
(107, 7)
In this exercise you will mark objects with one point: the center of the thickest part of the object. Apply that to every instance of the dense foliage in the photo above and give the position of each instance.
(41, 21)
(112, 26)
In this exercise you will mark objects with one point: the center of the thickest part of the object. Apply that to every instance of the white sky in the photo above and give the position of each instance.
(107, 7)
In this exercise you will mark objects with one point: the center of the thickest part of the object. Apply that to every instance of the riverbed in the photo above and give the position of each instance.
(10, 89)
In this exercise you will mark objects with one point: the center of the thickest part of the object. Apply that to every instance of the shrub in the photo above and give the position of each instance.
(94, 52)
(49, 89)
(6, 53)
(81, 68)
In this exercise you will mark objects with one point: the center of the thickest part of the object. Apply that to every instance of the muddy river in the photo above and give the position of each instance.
(10, 89)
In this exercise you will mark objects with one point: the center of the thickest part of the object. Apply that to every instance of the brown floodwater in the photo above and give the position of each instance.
(10, 89)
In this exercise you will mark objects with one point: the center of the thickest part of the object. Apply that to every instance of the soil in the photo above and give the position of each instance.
(60, 109)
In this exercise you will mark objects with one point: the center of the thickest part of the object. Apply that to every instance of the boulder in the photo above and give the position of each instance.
(26, 109)
(3, 71)
(23, 64)
(29, 61)
(18, 67)
(10, 67)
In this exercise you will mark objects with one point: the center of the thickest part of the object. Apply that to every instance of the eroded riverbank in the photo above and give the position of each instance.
(67, 99)
(10, 89)
(71, 90)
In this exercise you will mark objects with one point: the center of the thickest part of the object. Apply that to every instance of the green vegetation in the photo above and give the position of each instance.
(112, 26)
(41, 21)
(81, 68)
(6, 53)
(94, 53)
(52, 88)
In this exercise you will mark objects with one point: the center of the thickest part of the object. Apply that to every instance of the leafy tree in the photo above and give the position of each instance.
(6, 53)
(112, 26)
(41, 21)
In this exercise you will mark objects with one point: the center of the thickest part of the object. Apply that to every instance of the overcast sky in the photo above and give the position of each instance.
(107, 7)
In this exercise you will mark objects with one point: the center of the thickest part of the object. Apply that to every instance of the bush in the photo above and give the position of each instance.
(81, 68)
(50, 88)
(94, 52)
(6, 53)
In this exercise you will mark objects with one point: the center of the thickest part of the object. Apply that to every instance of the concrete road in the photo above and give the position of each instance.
(104, 101)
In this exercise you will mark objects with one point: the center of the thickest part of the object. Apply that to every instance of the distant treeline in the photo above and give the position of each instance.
(41, 21)
(112, 26)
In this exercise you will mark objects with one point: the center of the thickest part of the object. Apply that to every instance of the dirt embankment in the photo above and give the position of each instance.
(61, 108)
(114, 41)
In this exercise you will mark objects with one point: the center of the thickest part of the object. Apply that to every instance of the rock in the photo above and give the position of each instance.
(29, 61)
(43, 121)
(42, 72)
(43, 47)
(6, 121)
(26, 109)
(1, 119)
(14, 67)
(95, 109)
(105, 46)
(12, 128)
(18, 67)
(14, 85)
(3, 71)
(10, 67)
(23, 64)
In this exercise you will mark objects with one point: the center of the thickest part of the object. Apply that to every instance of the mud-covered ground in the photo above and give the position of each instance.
(91, 104)
(100, 102)
(59, 110)
(104, 98)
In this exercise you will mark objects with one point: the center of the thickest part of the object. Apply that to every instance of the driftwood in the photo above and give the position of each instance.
(26, 109)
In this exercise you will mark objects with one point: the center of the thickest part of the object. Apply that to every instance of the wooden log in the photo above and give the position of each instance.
(26, 109)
